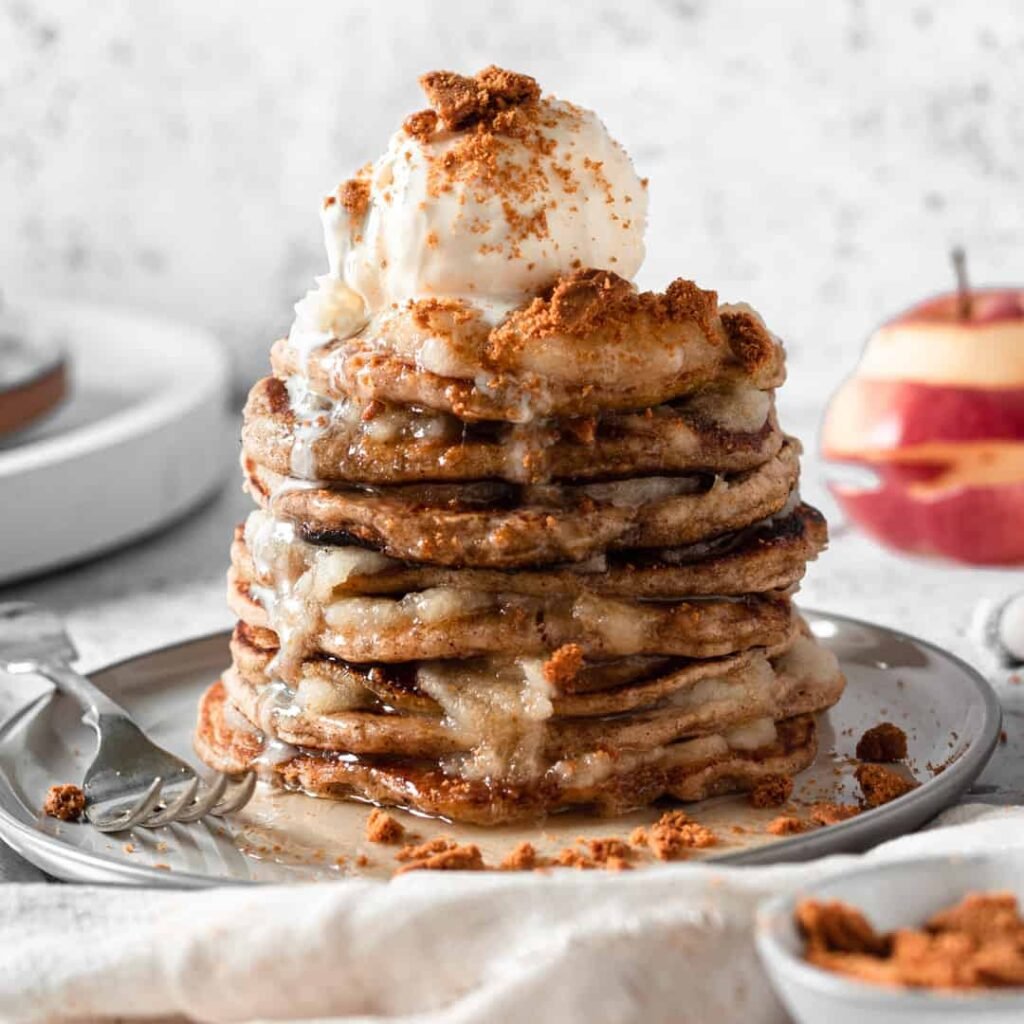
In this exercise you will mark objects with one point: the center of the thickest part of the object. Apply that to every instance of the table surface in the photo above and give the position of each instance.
(171, 587)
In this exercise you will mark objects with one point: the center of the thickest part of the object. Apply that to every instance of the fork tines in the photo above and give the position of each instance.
(150, 812)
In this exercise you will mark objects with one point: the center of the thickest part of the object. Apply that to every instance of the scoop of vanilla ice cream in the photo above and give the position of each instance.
(491, 216)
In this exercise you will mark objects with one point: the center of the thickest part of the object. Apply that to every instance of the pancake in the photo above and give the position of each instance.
(344, 439)
(589, 688)
(500, 525)
(472, 707)
(447, 622)
(643, 351)
(769, 555)
(393, 686)
(690, 770)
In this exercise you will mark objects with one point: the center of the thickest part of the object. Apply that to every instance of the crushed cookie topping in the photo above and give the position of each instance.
(354, 196)
(674, 835)
(786, 825)
(570, 857)
(828, 813)
(838, 927)
(881, 785)
(884, 743)
(587, 300)
(65, 802)
(748, 338)
(440, 854)
(979, 943)
(422, 124)
(564, 665)
(771, 791)
(381, 827)
(419, 851)
(523, 857)
(460, 101)
(431, 314)
(611, 853)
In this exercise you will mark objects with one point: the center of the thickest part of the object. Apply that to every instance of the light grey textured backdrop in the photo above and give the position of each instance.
(814, 158)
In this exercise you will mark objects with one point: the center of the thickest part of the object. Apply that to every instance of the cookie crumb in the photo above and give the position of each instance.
(979, 943)
(523, 857)
(771, 791)
(381, 827)
(611, 853)
(65, 801)
(617, 864)
(440, 855)
(837, 926)
(884, 743)
(786, 825)
(422, 124)
(417, 851)
(827, 813)
(460, 101)
(564, 665)
(362, 861)
(881, 785)
(570, 857)
(674, 835)
(354, 196)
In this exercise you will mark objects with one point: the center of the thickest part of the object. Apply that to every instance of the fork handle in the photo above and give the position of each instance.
(94, 701)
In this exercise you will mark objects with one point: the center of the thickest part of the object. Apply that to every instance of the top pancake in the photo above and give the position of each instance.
(591, 343)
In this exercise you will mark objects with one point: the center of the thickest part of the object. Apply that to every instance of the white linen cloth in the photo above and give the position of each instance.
(671, 944)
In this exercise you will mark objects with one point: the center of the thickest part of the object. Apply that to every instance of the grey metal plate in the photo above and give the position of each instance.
(949, 712)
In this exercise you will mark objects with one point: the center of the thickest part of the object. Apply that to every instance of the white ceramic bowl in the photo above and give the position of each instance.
(892, 895)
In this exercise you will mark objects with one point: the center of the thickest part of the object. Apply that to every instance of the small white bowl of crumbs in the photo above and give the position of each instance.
(923, 940)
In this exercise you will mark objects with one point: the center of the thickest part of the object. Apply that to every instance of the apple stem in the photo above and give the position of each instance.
(963, 286)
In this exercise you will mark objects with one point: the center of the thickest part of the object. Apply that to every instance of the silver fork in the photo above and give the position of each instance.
(131, 781)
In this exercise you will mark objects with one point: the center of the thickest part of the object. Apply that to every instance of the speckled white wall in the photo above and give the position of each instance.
(815, 158)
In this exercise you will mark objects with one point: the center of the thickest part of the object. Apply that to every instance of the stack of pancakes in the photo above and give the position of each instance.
(504, 565)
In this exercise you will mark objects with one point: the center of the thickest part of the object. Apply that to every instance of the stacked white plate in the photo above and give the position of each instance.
(140, 440)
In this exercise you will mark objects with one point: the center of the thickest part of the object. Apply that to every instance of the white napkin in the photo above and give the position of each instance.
(673, 944)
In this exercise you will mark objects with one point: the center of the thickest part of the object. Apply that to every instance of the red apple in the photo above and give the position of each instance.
(976, 525)
(879, 416)
(936, 411)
